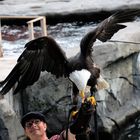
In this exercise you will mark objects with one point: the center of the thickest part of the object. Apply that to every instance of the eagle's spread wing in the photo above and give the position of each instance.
(39, 55)
(106, 29)
(45, 54)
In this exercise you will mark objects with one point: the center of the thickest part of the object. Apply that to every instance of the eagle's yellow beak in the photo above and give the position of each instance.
(82, 94)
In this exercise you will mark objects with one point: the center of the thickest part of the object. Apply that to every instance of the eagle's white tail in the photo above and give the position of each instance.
(102, 83)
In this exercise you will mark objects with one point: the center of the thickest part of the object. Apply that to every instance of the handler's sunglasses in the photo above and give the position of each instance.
(30, 123)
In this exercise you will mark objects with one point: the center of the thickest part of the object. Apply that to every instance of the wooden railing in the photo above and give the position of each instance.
(30, 23)
(31, 27)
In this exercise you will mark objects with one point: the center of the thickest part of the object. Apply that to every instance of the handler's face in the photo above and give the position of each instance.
(35, 128)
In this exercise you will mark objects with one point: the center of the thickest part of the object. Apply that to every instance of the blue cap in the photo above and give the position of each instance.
(32, 115)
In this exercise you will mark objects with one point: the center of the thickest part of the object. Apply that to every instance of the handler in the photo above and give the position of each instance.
(35, 124)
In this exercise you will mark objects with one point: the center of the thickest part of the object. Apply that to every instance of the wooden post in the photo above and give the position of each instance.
(1, 49)
(30, 25)
(0, 32)
(42, 23)
(31, 30)
(43, 26)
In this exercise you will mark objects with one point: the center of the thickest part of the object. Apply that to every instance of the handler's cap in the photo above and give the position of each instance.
(32, 115)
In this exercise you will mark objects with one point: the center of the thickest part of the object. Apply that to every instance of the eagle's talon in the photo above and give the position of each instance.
(74, 113)
(82, 94)
(92, 100)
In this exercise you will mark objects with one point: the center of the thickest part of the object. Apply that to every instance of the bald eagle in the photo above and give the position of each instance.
(45, 54)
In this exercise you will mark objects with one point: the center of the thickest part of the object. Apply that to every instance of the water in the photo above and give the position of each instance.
(68, 35)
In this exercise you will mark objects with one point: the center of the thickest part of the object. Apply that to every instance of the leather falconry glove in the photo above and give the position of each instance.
(82, 118)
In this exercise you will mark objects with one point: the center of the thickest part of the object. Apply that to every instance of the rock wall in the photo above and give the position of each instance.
(49, 95)
(10, 128)
(119, 64)
(120, 67)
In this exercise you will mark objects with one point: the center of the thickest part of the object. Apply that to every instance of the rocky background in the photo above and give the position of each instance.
(119, 104)
(119, 62)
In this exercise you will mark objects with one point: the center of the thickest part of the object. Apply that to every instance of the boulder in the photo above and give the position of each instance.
(10, 128)
(51, 96)
(120, 67)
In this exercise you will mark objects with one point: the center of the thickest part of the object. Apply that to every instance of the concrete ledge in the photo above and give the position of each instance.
(62, 10)
(6, 65)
